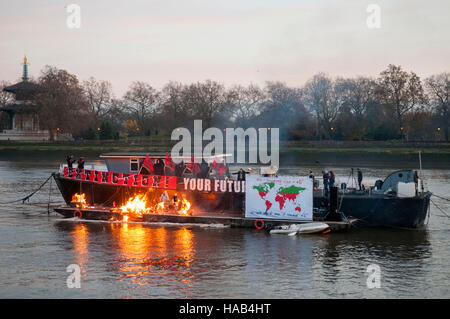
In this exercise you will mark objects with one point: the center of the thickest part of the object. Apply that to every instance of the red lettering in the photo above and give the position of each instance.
(150, 181)
(99, 177)
(130, 180)
(162, 182)
(139, 180)
(120, 181)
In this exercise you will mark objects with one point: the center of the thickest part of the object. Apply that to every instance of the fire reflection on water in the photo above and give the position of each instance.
(80, 236)
(147, 253)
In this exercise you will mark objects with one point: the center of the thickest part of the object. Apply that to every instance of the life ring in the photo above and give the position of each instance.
(75, 213)
(259, 224)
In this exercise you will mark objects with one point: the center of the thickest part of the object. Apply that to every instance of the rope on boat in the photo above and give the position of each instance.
(441, 197)
(442, 211)
(27, 198)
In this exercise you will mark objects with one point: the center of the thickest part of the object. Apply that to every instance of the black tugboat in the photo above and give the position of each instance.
(398, 201)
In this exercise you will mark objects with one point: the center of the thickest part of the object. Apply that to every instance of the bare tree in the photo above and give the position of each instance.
(5, 97)
(62, 104)
(283, 108)
(141, 101)
(401, 91)
(99, 95)
(246, 103)
(173, 109)
(322, 99)
(356, 96)
(438, 89)
(205, 100)
(115, 114)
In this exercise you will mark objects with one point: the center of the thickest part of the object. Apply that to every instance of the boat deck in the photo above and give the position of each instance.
(233, 219)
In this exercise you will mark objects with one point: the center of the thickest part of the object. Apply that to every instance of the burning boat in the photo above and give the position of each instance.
(153, 188)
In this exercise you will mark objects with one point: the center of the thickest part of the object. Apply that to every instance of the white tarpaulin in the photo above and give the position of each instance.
(286, 197)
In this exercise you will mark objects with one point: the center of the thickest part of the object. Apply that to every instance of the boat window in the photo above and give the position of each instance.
(134, 164)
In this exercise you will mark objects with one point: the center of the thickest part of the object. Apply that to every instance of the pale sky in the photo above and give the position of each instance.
(230, 41)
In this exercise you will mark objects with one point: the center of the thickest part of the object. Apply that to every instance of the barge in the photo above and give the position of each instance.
(382, 205)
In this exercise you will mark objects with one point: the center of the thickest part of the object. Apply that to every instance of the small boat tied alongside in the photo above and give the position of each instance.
(306, 228)
(126, 191)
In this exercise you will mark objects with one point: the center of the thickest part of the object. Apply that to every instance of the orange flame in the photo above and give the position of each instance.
(160, 206)
(138, 206)
(79, 200)
(184, 207)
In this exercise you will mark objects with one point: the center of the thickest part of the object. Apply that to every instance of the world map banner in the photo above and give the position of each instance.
(286, 197)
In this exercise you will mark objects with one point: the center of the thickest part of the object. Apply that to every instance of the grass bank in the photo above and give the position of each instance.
(160, 145)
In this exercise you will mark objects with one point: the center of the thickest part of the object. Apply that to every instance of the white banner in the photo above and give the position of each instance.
(286, 197)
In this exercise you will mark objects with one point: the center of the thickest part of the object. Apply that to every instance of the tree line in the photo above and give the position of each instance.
(395, 105)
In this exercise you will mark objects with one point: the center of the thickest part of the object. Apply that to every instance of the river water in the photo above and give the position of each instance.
(179, 261)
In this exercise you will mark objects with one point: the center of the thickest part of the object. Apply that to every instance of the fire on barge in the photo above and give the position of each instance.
(186, 194)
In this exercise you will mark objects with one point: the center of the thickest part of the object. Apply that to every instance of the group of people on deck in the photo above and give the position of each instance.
(70, 161)
(180, 169)
(159, 168)
(329, 179)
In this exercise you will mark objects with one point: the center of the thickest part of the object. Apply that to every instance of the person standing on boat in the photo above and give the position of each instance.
(80, 163)
(69, 161)
(179, 169)
(164, 197)
(241, 175)
(159, 167)
(332, 179)
(311, 176)
(204, 169)
(174, 199)
(326, 178)
(360, 178)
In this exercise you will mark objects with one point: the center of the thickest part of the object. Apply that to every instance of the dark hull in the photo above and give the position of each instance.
(371, 211)
(383, 211)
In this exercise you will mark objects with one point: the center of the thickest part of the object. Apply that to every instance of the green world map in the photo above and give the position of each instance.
(283, 194)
